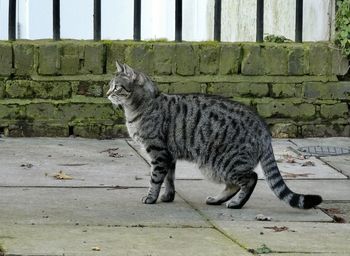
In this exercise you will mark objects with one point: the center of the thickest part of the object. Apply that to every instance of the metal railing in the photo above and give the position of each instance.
(178, 20)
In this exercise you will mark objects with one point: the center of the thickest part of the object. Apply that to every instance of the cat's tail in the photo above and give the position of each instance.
(279, 187)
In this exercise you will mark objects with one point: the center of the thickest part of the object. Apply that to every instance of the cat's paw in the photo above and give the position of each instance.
(234, 205)
(148, 200)
(167, 197)
(212, 201)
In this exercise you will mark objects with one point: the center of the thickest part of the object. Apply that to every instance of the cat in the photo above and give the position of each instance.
(224, 138)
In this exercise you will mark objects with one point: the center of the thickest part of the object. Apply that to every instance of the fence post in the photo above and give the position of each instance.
(97, 20)
(217, 20)
(56, 20)
(12, 20)
(178, 20)
(137, 20)
(299, 21)
(260, 21)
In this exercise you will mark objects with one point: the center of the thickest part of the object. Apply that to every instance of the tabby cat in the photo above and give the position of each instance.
(224, 138)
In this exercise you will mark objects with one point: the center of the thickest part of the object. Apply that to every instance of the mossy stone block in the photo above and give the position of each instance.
(140, 57)
(284, 130)
(330, 90)
(51, 90)
(2, 89)
(325, 130)
(88, 88)
(41, 111)
(10, 112)
(190, 87)
(320, 59)
(115, 51)
(298, 61)
(45, 129)
(230, 59)
(70, 64)
(209, 59)
(49, 59)
(239, 89)
(286, 109)
(80, 112)
(289, 90)
(253, 62)
(275, 60)
(340, 62)
(94, 58)
(24, 58)
(114, 131)
(338, 110)
(5, 59)
(19, 89)
(87, 130)
(163, 58)
(186, 59)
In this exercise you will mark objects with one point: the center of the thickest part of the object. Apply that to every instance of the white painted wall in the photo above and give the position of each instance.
(158, 19)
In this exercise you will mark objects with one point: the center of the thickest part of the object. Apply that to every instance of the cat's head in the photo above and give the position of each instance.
(129, 84)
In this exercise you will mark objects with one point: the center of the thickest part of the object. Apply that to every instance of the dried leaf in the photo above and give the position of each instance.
(113, 152)
(62, 176)
(278, 229)
(96, 248)
(332, 210)
(338, 219)
(262, 217)
(308, 163)
(28, 165)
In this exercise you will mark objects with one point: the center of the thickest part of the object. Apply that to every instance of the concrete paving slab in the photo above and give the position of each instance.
(308, 254)
(333, 141)
(63, 240)
(300, 237)
(341, 163)
(92, 206)
(262, 201)
(88, 161)
(340, 210)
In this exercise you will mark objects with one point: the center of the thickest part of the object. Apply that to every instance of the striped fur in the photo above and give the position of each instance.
(225, 138)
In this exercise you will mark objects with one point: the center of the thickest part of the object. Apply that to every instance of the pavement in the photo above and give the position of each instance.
(74, 196)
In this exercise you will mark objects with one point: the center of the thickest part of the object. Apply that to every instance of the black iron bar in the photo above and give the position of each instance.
(260, 21)
(137, 20)
(56, 20)
(12, 20)
(178, 20)
(299, 21)
(217, 20)
(97, 20)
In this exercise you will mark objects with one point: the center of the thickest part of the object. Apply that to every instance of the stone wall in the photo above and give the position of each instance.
(57, 88)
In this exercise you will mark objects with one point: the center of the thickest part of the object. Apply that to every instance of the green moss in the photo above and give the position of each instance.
(342, 21)
(2, 250)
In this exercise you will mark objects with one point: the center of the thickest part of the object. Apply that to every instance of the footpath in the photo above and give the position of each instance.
(73, 196)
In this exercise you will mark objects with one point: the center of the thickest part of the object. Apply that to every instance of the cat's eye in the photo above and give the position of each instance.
(118, 89)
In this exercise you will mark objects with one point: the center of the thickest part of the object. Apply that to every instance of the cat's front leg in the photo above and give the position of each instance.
(161, 161)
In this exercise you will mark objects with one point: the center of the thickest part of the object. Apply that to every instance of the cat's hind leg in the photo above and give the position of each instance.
(247, 184)
(169, 182)
(229, 191)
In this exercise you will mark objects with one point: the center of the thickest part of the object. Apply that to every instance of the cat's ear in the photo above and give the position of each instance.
(120, 67)
(129, 72)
